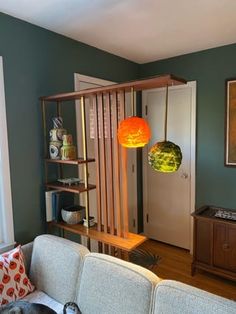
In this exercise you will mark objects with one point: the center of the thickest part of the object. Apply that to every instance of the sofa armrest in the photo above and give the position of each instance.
(27, 251)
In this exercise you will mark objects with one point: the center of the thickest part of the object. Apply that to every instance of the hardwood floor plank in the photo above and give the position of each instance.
(175, 264)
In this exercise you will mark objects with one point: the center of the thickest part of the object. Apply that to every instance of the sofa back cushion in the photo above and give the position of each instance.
(27, 254)
(56, 265)
(109, 285)
(174, 297)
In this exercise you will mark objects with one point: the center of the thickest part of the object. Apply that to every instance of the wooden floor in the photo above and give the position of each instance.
(175, 264)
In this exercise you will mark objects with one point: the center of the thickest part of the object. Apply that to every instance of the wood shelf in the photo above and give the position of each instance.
(78, 188)
(153, 82)
(127, 244)
(70, 162)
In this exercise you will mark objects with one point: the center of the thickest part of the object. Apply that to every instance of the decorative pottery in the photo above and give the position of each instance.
(68, 150)
(91, 221)
(56, 135)
(54, 149)
(73, 214)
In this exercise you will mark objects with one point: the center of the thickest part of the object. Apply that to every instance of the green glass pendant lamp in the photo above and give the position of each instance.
(165, 156)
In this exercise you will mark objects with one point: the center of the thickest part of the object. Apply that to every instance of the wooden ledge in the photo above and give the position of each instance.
(75, 188)
(127, 244)
(138, 85)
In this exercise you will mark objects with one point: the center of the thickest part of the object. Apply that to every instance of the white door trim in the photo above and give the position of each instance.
(6, 212)
(193, 86)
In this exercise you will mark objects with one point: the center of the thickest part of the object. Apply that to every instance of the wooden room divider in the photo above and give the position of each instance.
(108, 104)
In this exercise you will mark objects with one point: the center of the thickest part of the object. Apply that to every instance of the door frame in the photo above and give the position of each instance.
(193, 86)
(7, 240)
(133, 225)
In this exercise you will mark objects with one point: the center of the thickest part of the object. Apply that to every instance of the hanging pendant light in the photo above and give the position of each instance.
(133, 131)
(165, 156)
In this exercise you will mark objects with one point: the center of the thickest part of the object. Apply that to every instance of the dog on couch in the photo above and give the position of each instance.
(25, 307)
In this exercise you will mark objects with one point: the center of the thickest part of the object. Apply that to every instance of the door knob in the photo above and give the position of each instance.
(225, 246)
(184, 175)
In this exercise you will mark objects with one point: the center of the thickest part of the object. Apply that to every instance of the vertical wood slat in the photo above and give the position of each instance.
(119, 253)
(110, 187)
(99, 247)
(58, 108)
(88, 244)
(45, 138)
(44, 128)
(125, 256)
(125, 213)
(84, 137)
(97, 158)
(103, 163)
(116, 164)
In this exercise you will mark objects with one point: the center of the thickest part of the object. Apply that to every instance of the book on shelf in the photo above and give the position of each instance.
(61, 200)
(49, 208)
(55, 201)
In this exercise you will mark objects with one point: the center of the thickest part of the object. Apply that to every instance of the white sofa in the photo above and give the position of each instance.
(66, 271)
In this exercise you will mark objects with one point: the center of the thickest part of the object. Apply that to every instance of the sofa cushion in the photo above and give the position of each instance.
(14, 282)
(27, 253)
(56, 265)
(174, 297)
(109, 285)
(42, 298)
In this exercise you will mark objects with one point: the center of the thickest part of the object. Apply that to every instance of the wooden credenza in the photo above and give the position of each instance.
(214, 248)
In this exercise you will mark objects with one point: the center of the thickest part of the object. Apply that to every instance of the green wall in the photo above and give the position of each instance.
(215, 183)
(39, 62)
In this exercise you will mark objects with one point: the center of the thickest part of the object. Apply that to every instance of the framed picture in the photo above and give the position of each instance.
(230, 149)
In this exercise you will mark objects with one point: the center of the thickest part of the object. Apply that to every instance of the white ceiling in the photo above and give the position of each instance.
(138, 30)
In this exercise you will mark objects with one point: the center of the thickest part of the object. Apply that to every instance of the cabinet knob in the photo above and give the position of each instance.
(225, 246)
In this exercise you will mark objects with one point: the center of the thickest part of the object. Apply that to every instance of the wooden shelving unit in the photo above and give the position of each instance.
(108, 105)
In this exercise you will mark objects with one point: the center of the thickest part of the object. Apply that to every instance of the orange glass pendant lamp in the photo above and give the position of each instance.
(133, 132)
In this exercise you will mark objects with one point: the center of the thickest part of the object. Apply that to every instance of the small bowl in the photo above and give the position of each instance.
(73, 214)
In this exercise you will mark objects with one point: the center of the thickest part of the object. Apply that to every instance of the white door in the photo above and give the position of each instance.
(169, 197)
(83, 82)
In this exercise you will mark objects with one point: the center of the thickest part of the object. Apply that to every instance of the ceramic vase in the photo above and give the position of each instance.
(56, 135)
(68, 150)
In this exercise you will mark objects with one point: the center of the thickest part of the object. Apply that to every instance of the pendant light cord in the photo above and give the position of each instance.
(132, 101)
(166, 113)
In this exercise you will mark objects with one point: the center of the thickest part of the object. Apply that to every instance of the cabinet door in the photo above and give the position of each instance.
(203, 241)
(220, 245)
(231, 254)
